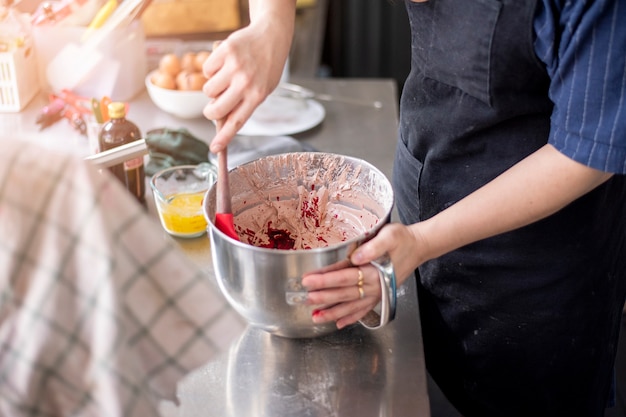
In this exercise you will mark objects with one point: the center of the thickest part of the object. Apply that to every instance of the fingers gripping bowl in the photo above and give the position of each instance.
(297, 213)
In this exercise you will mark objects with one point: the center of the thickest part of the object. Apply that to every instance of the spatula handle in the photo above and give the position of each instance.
(222, 188)
(222, 202)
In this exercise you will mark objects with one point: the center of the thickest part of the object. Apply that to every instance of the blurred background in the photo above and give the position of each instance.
(338, 38)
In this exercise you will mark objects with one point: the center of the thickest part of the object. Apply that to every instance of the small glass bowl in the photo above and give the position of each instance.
(178, 195)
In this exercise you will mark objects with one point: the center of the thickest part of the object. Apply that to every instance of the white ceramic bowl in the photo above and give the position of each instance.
(183, 104)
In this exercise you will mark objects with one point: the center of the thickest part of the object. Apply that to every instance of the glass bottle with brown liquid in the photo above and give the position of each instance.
(120, 131)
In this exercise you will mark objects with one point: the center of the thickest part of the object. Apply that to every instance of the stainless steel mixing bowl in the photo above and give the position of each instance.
(264, 285)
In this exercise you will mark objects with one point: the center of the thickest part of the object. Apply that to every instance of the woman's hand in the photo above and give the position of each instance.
(247, 66)
(338, 293)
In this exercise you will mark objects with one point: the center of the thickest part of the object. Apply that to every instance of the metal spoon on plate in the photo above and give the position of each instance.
(296, 91)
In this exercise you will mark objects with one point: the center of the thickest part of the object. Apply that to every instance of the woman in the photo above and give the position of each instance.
(512, 128)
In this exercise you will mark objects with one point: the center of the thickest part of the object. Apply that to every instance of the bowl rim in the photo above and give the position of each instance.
(354, 241)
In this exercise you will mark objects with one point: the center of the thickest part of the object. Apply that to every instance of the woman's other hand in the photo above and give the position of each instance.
(350, 293)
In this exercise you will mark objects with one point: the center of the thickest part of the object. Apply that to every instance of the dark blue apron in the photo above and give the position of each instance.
(525, 323)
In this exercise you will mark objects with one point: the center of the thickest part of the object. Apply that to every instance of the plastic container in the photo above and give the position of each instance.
(18, 64)
(18, 79)
(119, 75)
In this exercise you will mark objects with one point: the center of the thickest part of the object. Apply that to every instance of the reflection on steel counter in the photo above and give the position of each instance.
(100, 314)
(266, 375)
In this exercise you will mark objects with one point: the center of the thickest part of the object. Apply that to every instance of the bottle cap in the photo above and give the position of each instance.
(117, 110)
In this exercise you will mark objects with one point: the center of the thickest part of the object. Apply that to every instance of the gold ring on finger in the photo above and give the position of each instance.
(360, 279)
(361, 291)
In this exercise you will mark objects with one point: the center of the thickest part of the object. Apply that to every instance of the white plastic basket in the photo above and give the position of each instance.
(19, 81)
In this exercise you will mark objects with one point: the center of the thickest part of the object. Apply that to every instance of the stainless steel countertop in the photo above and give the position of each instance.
(354, 372)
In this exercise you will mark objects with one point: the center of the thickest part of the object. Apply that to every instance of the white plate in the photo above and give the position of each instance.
(279, 115)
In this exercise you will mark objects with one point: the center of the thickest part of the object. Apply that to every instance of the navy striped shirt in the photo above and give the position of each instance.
(583, 44)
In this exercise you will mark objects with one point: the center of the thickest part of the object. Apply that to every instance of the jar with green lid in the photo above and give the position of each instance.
(119, 131)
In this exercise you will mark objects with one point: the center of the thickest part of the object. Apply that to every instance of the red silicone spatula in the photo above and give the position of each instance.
(223, 211)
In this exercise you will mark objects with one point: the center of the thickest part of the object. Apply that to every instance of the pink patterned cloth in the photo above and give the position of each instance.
(100, 313)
